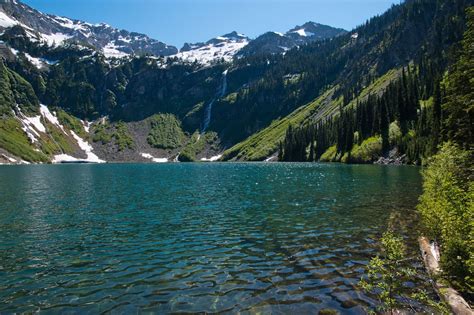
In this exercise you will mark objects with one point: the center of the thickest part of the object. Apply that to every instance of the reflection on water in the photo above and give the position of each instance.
(272, 238)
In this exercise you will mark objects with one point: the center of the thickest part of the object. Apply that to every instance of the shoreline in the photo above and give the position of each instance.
(453, 298)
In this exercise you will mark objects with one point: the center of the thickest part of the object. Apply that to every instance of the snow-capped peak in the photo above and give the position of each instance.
(221, 47)
(314, 30)
(55, 30)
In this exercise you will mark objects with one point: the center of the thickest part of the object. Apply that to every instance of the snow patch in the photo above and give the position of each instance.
(64, 158)
(51, 117)
(125, 39)
(87, 148)
(302, 32)
(10, 159)
(271, 159)
(111, 51)
(6, 21)
(68, 23)
(87, 125)
(30, 125)
(55, 39)
(207, 54)
(151, 157)
(37, 62)
(212, 159)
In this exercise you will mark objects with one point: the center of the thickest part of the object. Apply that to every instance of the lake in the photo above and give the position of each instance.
(270, 238)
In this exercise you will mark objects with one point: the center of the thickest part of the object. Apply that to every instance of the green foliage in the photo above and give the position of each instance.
(166, 132)
(386, 274)
(196, 145)
(367, 152)
(14, 140)
(102, 132)
(118, 133)
(330, 155)
(447, 211)
(394, 133)
(122, 137)
(458, 124)
(266, 142)
(55, 141)
(14, 90)
(386, 277)
(72, 123)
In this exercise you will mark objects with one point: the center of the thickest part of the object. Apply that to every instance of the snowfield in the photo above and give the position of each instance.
(34, 127)
(212, 159)
(151, 157)
(222, 47)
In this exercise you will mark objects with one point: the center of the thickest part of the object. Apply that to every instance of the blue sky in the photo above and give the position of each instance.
(177, 21)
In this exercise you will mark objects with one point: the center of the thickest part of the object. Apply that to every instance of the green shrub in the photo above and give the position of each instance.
(105, 133)
(16, 90)
(387, 274)
(122, 137)
(72, 123)
(394, 133)
(330, 155)
(196, 145)
(368, 151)
(166, 132)
(447, 211)
(102, 133)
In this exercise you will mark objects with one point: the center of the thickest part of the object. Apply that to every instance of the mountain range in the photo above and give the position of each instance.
(72, 91)
(114, 43)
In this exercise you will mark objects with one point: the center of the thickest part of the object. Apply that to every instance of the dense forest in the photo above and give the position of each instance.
(261, 87)
(410, 117)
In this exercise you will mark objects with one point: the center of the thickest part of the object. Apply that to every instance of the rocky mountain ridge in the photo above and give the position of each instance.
(114, 43)
(54, 31)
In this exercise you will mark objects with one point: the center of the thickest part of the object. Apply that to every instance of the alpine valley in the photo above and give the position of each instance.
(71, 91)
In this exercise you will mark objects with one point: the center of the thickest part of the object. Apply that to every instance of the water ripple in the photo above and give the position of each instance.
(222, 238)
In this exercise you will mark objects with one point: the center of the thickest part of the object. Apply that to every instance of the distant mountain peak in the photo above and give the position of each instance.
(320, 31)
(55, 30)
(235, 35)
(275, 42)
(221, 47)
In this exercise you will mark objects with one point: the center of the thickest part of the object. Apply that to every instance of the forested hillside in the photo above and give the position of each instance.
(372, 94)
(385, 100)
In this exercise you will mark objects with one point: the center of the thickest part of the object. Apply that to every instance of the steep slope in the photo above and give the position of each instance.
(409, 32)
(265, 144)
(53, 30)
(405, 123)
(30, 132)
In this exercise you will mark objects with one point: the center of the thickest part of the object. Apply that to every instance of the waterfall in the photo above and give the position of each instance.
(220, 93)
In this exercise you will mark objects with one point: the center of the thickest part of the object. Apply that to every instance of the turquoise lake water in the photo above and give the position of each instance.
(270, 238)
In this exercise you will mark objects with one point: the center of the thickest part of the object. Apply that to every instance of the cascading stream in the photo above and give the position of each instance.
(220, 93)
